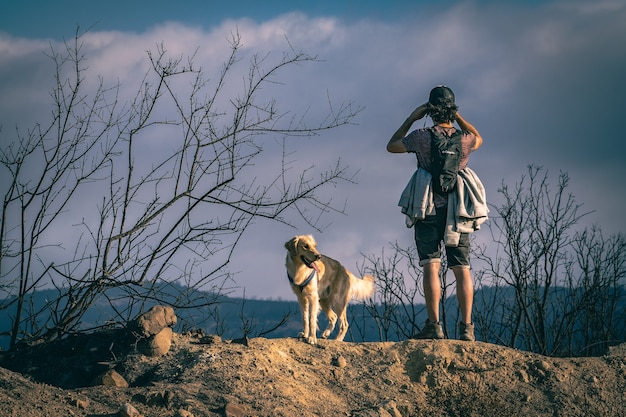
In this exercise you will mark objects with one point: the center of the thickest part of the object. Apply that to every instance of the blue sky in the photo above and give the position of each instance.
(33, 18)
(541, 80)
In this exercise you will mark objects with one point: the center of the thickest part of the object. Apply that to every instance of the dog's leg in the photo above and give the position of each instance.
(305, 311)
(314, 312)
(332, 317)
(343, 325)
(340, 305)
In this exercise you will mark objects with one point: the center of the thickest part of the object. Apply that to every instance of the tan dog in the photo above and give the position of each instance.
(318, 280)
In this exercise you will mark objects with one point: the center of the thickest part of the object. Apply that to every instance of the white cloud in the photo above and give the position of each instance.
(505, 63)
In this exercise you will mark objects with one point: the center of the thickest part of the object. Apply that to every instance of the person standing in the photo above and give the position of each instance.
(431, 227)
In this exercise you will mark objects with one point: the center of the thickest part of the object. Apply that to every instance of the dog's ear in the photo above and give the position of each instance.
(291, 246)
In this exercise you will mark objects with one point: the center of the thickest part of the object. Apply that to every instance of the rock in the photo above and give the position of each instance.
(158, 345)
(154, 329)
(183, 413)
(80, 403)
(154, 320)
(340, 362)
(129, 411)
(391, 408)
(112, 379)
(234, 410)
(523, 376)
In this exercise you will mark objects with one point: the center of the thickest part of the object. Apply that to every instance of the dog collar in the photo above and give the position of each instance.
(304, 284)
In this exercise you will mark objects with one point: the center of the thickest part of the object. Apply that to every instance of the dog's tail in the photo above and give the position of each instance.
(361, 288)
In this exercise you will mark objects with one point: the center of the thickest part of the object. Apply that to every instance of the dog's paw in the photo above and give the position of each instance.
(311, 340)
(326, 334)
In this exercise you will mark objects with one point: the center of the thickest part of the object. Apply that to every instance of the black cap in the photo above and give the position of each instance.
(441, 96)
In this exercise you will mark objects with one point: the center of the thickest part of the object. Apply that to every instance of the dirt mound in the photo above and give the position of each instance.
(206, 376)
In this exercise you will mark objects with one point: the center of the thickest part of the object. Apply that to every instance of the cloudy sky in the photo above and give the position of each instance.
(543, 81)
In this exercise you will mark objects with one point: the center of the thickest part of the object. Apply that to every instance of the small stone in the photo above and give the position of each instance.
(159, 344)
(543, 365)
(340, 362)
(154, 320)
(391, 409)
(113, 379)
(82, 404)
(234, 410)
(523, 376)
(129, 411)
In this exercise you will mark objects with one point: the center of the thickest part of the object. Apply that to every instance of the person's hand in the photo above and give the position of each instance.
(419, 112)
(395, 144)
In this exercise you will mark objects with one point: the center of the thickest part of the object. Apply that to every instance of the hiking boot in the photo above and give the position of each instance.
(467, 331)
(430, 331)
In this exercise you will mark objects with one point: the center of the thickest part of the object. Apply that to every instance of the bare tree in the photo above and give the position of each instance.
(599, 292)
(565, 284)
(157, 189)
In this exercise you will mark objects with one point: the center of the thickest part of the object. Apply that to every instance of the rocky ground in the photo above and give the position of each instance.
(203, 375)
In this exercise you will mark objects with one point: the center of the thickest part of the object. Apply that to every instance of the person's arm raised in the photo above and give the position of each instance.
(395, 144)
(467, 126)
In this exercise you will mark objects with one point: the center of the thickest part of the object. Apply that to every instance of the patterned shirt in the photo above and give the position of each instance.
(418, 142)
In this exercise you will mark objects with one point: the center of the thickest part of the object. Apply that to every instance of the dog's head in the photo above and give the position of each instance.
(303, 248)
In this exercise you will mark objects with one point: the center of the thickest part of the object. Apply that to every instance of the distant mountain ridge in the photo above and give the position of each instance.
(234, 317)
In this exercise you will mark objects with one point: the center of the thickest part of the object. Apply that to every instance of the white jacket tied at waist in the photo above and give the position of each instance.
(468, 202)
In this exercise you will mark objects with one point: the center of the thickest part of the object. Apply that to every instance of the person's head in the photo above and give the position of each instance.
(441, 105)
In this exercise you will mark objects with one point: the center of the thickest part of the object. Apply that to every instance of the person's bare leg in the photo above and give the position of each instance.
(464, 292)
(432, 290)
